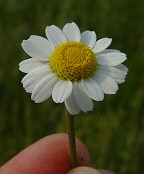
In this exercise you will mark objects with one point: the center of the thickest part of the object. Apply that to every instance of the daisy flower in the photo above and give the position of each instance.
(72, 67)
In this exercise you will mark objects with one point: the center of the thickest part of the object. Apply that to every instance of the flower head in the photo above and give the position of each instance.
(72, 67)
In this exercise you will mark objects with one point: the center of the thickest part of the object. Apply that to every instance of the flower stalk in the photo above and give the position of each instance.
(71, 137)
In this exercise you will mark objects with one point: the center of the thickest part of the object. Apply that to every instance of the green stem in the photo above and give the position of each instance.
(71, 137)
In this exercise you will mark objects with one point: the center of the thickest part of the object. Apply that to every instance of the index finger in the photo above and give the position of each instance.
(49, 155)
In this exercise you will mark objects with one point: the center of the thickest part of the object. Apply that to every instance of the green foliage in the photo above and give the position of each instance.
(114, 131)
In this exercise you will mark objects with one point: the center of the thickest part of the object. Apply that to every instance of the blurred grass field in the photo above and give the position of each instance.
(114, 131)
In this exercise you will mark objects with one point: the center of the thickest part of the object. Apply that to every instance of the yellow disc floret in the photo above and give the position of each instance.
(73, 61)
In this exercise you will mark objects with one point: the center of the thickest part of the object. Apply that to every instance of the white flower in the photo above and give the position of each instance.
(73, 67)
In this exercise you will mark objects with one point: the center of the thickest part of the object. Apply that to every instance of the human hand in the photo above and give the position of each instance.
(50, 155)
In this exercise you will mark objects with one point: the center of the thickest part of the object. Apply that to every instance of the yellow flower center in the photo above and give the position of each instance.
(73, 61)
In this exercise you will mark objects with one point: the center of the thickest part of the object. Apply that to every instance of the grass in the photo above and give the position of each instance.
(114, 131)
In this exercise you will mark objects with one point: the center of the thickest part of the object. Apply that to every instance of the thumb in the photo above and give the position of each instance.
(88, 170)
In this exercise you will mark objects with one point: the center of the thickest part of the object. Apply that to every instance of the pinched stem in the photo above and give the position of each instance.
(71, 137)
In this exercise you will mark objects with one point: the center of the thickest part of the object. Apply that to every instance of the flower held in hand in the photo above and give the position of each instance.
(73, 67)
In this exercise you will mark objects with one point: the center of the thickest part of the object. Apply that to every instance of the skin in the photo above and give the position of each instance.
(50, 155)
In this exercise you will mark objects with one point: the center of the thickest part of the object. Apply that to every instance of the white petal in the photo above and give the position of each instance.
(37, 47)
(84, 102)
(55, 35)
(92, 89)
(72, 32)
(107, 51)
(108, 85)
(36, 71)
(89, 38)
(34, 77)
(111, 59)
(71, 105)
(43, 41)
(62, 91)
(43, 89)
(30, 64)
(101, 45)
(122, 67)
(116, 74)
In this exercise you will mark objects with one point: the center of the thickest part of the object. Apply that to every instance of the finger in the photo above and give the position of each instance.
(49, 155)
(87, 170)
(83, 170)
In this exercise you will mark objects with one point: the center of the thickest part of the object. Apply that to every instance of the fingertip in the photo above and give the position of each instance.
(87, 170)
(83, 170)
(48, 155)
(83, 157)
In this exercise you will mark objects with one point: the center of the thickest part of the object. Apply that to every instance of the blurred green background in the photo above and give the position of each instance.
(114, 131)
